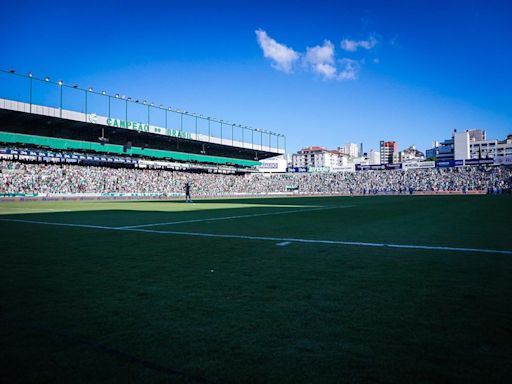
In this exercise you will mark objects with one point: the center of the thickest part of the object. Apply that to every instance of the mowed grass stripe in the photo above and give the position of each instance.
(235, 217)
(481, 222)
(266, 238)
(451, 221)
(126, 213)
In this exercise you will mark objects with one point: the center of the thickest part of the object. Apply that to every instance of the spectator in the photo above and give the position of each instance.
(17, 177)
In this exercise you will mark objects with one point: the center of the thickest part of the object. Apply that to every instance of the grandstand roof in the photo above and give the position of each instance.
(15, 120)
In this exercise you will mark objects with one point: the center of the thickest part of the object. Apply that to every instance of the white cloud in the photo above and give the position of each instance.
(320, 53)
(328, 71)
(349, 69)
(282, 56)
(353, 45)
(320, 59)
(349, 45)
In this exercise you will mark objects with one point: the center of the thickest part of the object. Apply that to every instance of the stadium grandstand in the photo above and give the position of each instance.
(51, 118)
(25, 179)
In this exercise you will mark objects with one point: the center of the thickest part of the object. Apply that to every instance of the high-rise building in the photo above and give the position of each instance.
(350, 149)
(373, 157)
(388, 152)
(461, 145)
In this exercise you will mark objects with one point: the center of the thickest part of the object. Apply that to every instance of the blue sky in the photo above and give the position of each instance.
(322, 73)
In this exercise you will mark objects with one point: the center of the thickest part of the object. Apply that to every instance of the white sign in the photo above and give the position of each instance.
(503, 160)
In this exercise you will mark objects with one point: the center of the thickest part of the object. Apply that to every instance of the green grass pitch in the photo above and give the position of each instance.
(231, 291)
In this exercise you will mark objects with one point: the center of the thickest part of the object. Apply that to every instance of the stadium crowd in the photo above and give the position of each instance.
(18, 177)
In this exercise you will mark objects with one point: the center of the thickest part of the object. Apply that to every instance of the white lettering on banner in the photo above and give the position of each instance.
(416, 165)
(141, 127)
(268, 165)
(319, 169)
(503, 160)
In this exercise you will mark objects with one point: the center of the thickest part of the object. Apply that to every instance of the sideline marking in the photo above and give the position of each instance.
(57, 224)
(268, 238)
(234, 217)
(36, 209)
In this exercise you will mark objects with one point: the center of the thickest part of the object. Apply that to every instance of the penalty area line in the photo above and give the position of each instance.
(268, 238)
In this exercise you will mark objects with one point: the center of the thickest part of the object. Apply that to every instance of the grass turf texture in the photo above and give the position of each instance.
(85, 304)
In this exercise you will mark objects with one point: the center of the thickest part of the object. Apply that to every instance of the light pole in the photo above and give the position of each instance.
(209, 135)
(145, 102)
(109, 106)
(117, 96)
(86, 91)
(221, 132)
(232, 134)
(30, 95)
(126, 110)
(186, 113)
(60, 82)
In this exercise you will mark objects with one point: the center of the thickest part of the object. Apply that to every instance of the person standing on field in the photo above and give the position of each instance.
(188, 199)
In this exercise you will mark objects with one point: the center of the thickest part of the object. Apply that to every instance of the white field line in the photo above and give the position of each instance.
(268, 238)
(36, 209)
(57, 224)
(235, 217)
